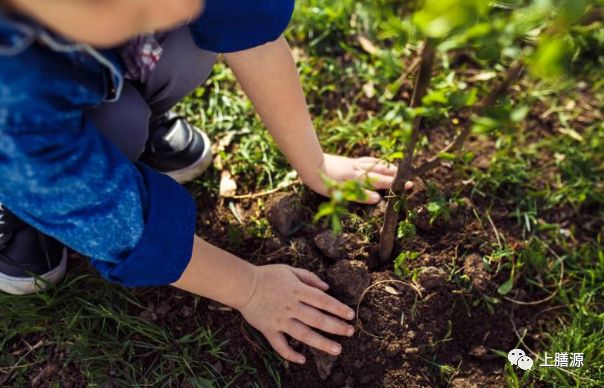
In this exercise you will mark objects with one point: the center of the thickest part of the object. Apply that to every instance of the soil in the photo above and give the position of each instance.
(406, 333)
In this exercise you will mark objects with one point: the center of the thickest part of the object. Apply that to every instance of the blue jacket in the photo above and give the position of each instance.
(60, 175)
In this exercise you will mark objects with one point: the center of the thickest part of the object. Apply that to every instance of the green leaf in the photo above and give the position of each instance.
(506, 287)
(519, 113)
(447, 156)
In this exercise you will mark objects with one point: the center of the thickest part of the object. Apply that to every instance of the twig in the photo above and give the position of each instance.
(494, 230)
(359, 322)
(265, 193)
(31, 349)
(405, 165)
(411, 69)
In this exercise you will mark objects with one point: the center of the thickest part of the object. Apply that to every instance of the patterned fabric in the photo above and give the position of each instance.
(140, 56)
(63, 178)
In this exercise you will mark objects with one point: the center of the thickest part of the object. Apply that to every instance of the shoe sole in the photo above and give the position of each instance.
(25, 286)
(193, 171)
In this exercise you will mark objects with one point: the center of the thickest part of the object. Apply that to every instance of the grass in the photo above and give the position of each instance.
(551, 182)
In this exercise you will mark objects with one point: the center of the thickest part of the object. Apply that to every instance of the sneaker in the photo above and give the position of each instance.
(29, 260)
(177, 149)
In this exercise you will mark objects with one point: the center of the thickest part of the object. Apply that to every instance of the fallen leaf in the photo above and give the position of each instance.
(391, 290)
(369, 89)
(228, 186)
(367, 45)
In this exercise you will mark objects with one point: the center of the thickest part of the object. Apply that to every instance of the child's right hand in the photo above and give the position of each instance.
(287, 300)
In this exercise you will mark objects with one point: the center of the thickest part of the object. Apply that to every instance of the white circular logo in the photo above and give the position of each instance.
(514, 355)
(525, 363)
(520, 359)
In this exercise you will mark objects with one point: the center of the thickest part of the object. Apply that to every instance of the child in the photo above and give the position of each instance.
(89, 152)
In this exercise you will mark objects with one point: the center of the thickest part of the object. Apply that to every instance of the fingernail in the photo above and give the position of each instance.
(336, 349)
(350, 314)
(301, 360)
(325, 284)
(375, 197)
(350, 331)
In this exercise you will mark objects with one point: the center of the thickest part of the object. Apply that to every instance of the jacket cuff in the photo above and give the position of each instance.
(227, 26)
(166, 246)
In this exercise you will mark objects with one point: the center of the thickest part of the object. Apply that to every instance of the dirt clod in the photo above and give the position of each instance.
(285, 214)
(337, 246)
(433, 278)
(349, 278)
(474, 268)
(461, 382)
(324, 362)
(393, 349)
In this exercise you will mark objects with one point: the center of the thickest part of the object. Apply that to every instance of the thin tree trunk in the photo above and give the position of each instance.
(405, 165)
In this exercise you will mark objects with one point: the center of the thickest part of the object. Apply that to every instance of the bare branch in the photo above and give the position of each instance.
(405, 166)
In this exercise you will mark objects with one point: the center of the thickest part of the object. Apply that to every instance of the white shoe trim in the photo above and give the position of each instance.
(30, 285)
(193, 171)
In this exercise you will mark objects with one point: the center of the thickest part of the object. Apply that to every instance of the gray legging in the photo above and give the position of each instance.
(182, 67)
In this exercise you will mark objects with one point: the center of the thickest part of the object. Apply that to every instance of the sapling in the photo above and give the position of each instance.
(406, 169)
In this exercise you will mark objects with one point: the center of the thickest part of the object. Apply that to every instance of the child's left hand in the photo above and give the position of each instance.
(339, 168)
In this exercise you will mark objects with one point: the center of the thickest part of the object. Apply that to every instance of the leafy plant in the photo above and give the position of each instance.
(533, 33)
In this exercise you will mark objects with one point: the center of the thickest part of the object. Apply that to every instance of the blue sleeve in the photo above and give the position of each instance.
(235, 25)
(60, 175)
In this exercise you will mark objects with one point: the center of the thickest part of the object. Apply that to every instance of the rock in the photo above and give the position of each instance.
(433, 278)
(337, 246)
(324, 362)
(474, 268)
(348, 278)
(285, 214)
(393, 349)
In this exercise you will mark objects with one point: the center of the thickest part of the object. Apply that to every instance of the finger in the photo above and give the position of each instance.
(279, 343)
(409, 185)
(380, 166)
(380, 181)
(309, 278)
(306, 335)
(314, 318)
(317, 298)
(371, 198)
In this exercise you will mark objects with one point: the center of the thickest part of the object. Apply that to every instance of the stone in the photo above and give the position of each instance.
(348, 280)
(337, 246)
(285, 214)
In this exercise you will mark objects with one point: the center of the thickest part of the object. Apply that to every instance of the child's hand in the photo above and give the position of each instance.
(339, 168)
(292, 301)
